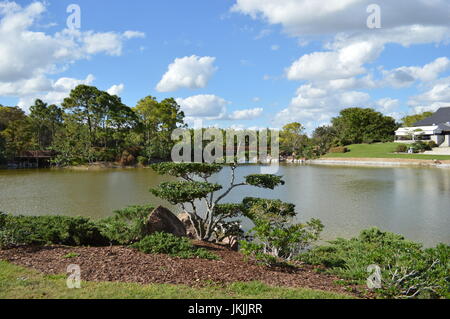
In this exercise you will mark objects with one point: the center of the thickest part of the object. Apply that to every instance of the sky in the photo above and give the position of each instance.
(232, 63)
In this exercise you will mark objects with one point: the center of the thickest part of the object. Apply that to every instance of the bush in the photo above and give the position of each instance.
(47, 230)
(164, 243)
(127, 226)
(420, 147)
(142, 160)
(407, 270)
(339, 149)
(274, 236)
(402, 148)
(432, 144)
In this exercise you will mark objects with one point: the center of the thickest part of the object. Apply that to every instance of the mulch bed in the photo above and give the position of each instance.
(123, 264)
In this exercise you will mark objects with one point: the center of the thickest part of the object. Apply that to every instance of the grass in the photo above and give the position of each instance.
(381, 150)
(20, 283)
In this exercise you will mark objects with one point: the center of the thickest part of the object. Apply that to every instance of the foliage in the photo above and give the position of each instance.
(359, 125)
(274, 235)
(324, 138)
(409, 121)
(420, 147)
(293, 139)
(407, 269)
(187, 170)
(268, 181)
(127, 226)
(216, 220)
(184, 191)
(157, 121)
(164, 243)
(402, 148)
(47, 230)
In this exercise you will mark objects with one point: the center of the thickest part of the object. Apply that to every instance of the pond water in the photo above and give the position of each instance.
(414, 202)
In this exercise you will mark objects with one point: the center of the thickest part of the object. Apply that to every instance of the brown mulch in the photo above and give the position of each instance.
(123, 264)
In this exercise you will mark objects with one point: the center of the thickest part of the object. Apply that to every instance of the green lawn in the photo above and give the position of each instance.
(20, 283)
(381, 150)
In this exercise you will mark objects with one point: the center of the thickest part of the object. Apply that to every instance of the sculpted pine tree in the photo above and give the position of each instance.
(202, 199)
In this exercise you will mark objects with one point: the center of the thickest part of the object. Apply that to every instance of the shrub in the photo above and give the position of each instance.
(127, 226)
(407, 270)
(339, 149)
(432, 144)
(274, 236)
(47, 230)
(420, 147)
(142, 160)
(164, 243)
(402, 148)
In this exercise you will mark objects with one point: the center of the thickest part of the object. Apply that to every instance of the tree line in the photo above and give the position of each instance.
(91, 126)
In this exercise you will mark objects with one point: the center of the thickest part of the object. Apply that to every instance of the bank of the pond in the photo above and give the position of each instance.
(381, 162)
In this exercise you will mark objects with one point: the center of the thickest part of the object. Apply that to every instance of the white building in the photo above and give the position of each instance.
(435, 128)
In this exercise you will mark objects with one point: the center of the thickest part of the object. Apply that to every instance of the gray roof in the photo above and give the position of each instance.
(441, 116)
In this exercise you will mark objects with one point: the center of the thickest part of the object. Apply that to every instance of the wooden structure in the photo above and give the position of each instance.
(33, 159)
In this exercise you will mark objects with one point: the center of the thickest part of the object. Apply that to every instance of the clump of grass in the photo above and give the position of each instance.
(71, 255)
(164, 243)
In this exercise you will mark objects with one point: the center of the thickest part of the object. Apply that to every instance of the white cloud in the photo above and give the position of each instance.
(116, 89)
(405, 76)
(28, 57)
(191, 72)
(54, 92)
(249, 114)
(311, 17)
(387, 105)
(212, 107)
(133, 34)
(436, 96)
(208, 107)
(314, 106)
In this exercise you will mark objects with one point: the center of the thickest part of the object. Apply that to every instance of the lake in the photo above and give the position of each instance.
(414, 202)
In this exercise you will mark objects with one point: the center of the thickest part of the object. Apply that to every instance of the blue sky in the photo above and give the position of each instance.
(232, 63)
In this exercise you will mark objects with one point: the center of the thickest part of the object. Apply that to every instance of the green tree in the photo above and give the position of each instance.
(211, 219)
(410, 120)
(72, 143)
(45, 120)
(293, 139)
(157, 122)
(324, 137)
(363, 125)
(16, 133)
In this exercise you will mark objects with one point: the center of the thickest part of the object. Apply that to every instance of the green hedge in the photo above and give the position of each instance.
(45, 230)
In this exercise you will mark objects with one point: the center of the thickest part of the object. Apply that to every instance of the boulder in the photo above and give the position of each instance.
(232, 242)
(163, 220)
(190, 230)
